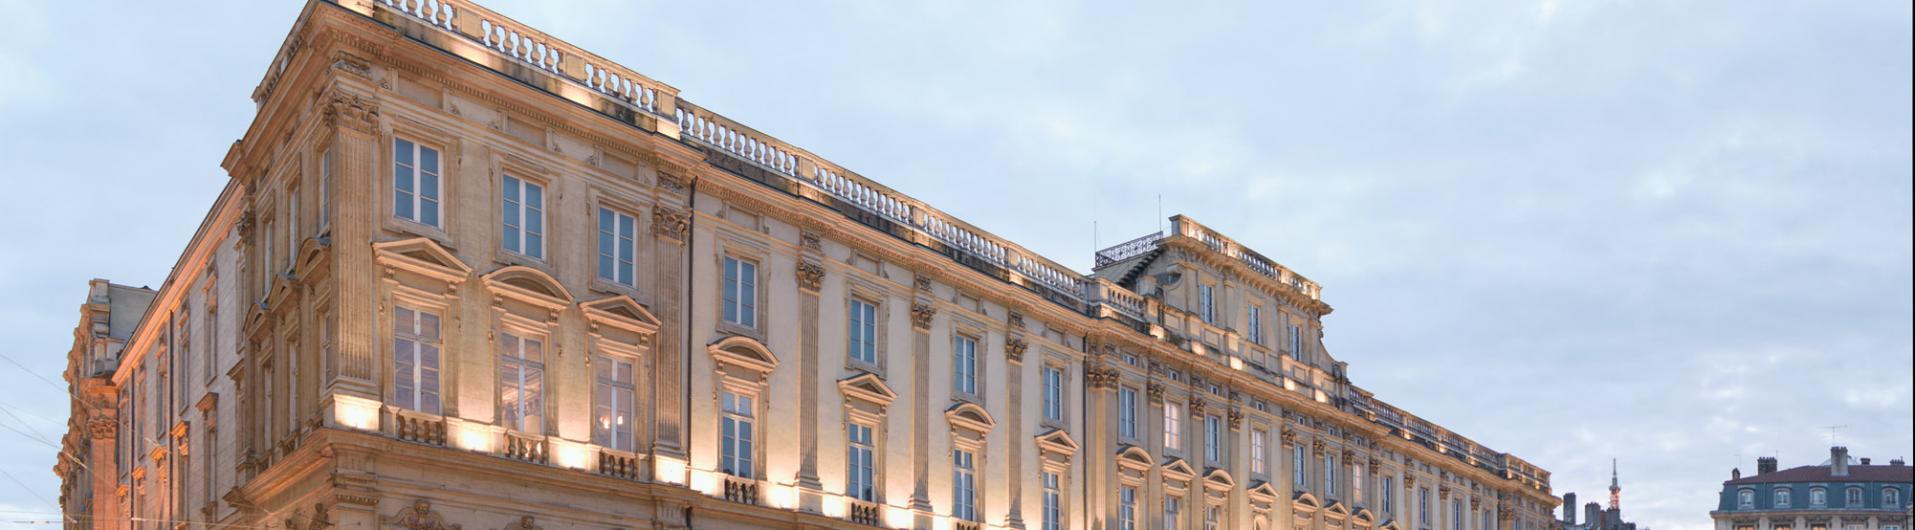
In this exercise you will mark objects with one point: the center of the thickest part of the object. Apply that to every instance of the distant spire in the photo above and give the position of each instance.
(1615, 487)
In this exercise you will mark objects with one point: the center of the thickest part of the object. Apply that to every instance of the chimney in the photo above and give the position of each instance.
(1865, 460)
(1765, 465)
(1592, 515)
(1898, 462)
(1839, 461)
(1569, 508)
(1735, 473)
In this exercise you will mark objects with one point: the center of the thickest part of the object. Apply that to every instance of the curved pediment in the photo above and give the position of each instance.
(1218, 479)
(1135, 458)
(970, 416)
(867, 387)
(528, 285)
(1179, 470)
(421, 255)
(1057, 441)
(620, 312)
(1304, 501)
(1390, 525)
(1363, 517)
(743, 352)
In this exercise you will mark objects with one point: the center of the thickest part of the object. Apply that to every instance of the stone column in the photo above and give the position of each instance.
(354, 122)
(922, 311)
(103, 427)
(811, 276)
(672, 230)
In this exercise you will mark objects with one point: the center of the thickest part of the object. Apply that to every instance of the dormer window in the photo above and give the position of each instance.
(1745, 499)
(1782, 499)
(1853, 499)
(1818, 497)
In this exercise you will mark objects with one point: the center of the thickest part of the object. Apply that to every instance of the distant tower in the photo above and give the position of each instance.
(1615, 487)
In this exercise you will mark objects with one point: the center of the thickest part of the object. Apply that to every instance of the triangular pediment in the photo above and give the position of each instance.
(743, 352)
(528, 285)
(1263, 492)
(621, 312)
(1179, 470)
(421, 255)
(1057, 441)
(971, 416)
(868, 387)
(1336, 509)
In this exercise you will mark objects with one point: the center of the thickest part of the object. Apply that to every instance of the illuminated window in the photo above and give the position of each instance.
(614, 390)
(415, 360)
(738, 433)
(521, 383)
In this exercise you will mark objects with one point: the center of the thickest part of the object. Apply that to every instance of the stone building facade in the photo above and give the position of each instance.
(1841, 494)
(467, 275)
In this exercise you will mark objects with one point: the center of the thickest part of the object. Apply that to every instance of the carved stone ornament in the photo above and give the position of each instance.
(524, 523)
(1014, 349)
(1318, 447)
(1196, 407)
(320, 520)
(1475, 503)
(810, 241)
(1155, 390)
(1376, 465)
(352, 111)
(1349, 455)
(1236, 418)
(1505, 513)
(811, 276)
(419, 517)
(1443, 492)
(346, 62)
(921, 314)
(671, 225)
(921, 282)
(1409, 481)
(1288, 436)
(671, 182)
(102, 428)
(1101, 378)
(1016, 320)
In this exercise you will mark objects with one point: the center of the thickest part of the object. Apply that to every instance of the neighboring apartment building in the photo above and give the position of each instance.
(466, 275)
(1840, 494)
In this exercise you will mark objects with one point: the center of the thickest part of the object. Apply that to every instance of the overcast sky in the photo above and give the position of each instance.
(1673, 233)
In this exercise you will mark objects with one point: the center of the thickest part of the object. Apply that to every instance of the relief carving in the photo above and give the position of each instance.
(921, 314)
(811, 276)
(1014, 349)
(1236, 418)
(102, 428)
(671, 225)
(352, 111)
(1155, 390)
(419, 517)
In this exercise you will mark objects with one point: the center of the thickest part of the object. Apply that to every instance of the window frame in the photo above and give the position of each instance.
(965, 366)
(511, 353)
(420, 144)
(527, 237)
(862, 337)
(1173, 426)
(863, 476)
(417, 377)
(625, 434)
(601, 277)
(731, 460)
(739, 285)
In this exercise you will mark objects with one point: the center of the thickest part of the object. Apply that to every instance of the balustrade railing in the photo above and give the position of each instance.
(1127, 249)
(527, 447)
(865, 513)
(741, 490)
(419, 428)
(618, 464)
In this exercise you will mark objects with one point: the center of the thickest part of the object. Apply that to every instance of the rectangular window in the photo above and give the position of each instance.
(1456, 514)
(863, 334)
(1207, 303)
(1782, 498)
(1296, 342)
(415, 182)
(614, 390)
(326, 347)
(1173, 426)
(1126, 508)
(616, 240)
(1423, 507)
(325, 189)
(1213, 439)
(1213, 515)
(1255, 325)
(1854, 499)
(522, 217)
(1053, 393)
(521, 383)
(964, 365)
(415, 359)
(1258, 465)
(741, 292)
(1053, 502)
(858, 463)
(1356, 482)
(1388, 495)
(737, 435)
(266, 261)
(292, 385)
(1329, 475)
(292, 225)
(1296, 466)
(1127, 413)
(1173, 513)
(964, 485)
